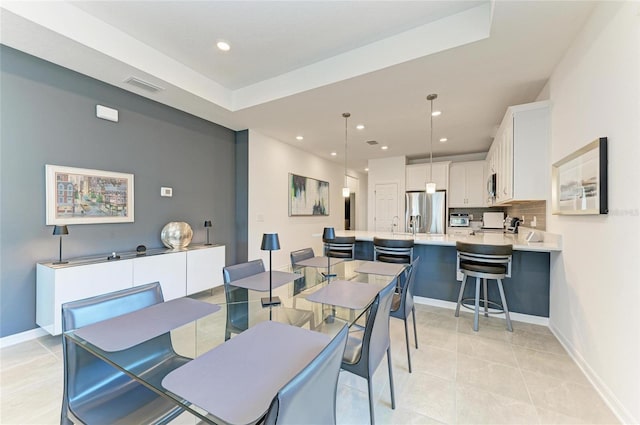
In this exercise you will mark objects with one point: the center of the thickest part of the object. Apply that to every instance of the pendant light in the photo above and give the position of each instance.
(345, 189)
(431, 186)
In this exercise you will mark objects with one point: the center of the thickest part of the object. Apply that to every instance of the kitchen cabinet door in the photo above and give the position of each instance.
(466, 184)
(416, 177)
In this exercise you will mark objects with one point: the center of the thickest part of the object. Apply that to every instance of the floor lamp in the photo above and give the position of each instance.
(270, 243)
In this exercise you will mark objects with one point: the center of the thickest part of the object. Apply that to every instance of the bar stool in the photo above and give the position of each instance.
(484, 262)
(340, 247)
(399, 251)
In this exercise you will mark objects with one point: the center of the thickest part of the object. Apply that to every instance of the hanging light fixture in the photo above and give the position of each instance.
(431, 186)
(345, 189)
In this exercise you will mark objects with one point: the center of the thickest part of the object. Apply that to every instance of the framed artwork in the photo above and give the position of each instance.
(580, 181)
(83, 196)
(308, 196)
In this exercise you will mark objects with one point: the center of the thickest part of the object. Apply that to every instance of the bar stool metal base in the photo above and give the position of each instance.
(485, 302)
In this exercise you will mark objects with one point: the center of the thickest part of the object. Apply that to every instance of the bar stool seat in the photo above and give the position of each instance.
(340, 247)
(484, 262)
(398, 251)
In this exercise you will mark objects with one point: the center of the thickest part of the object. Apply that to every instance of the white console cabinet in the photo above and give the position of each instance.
(180, 273)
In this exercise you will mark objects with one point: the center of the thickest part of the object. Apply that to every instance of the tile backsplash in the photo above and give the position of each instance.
(530, 209)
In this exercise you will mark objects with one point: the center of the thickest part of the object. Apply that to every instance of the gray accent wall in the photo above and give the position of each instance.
(242, 196)
(48, 117)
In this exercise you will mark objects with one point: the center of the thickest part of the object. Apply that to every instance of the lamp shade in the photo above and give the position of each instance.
(270, 242)
(60, 230)
(207, 223)
(329, 233)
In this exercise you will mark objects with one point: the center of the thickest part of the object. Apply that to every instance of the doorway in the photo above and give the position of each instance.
(350, 212)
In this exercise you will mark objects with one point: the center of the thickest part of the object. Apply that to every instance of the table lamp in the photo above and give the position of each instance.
(270, 242)
(60, 231)
(328, 234)
(207, 224)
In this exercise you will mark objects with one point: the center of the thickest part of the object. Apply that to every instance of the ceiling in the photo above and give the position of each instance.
(295, 66)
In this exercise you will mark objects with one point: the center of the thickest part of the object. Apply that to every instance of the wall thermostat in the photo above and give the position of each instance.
(166, 192)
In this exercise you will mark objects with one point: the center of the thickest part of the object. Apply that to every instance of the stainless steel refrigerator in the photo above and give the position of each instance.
(426, 211)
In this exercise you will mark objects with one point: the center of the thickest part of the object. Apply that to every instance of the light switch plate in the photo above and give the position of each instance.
(166, 192)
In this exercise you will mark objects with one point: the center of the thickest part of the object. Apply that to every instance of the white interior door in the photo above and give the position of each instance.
(386, 206)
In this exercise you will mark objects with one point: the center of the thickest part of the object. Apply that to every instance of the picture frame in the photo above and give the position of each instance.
(85, 196)
(579, 181)
(308, 196)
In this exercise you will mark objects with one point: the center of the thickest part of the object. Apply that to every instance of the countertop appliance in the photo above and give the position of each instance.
(492, 183)
(459, 220)
(425, 212)
(493, 220)
(511, 224)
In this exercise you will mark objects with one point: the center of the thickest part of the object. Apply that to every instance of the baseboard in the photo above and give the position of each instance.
(526, 318)
(14, 339)
(618, 409)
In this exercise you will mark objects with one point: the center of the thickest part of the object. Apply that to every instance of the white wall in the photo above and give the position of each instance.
(595, 285)
(270, 162)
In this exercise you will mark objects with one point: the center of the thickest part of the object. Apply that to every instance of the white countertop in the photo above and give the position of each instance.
(551, 241)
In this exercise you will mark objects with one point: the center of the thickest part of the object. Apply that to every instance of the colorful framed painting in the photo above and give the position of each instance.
(308, 196)
(83, 196)
(580, 181)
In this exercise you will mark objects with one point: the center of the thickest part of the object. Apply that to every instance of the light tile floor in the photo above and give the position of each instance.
(459, 377)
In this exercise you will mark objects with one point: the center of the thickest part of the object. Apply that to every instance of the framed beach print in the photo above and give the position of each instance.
(308, 196)
(83, 196)
(580, 181)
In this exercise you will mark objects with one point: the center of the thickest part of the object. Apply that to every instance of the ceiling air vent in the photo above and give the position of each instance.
(372, 142)
(144, 85)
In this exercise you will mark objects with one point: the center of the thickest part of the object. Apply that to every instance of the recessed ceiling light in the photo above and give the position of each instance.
(436, 113)
(333, 154)
(444, 139)
(223, 45)
(366, 169)
(360, 126)
(299, 138)
(384, 148)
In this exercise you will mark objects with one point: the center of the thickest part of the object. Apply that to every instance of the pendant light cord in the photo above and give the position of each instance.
(346, 116)
(431, 98)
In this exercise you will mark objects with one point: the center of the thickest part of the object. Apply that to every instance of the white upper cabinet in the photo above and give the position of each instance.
(467, 184)
(417, 175)
(519, 154)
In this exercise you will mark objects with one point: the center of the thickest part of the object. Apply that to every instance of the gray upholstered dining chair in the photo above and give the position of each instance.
(402, 305)
(300, 255)
(95, 392)
(365, 351)
(310, 397)
(237, 306)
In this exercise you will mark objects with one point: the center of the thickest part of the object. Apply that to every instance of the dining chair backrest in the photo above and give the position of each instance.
(310, 397)
(237, 309)
(406, 292)
(242, 270)
(89, 382)
(301, 254)
(377, 341)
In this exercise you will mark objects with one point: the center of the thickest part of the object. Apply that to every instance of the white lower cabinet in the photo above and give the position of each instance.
(168, 269)
(180, 273)
(204, 268)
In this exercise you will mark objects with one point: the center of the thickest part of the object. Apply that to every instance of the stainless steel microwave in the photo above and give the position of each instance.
(458, 220)
(491, 185)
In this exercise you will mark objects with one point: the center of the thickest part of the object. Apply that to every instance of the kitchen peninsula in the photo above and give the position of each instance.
(527, 291)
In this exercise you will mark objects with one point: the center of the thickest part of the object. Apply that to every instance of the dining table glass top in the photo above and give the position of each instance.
(309, 302)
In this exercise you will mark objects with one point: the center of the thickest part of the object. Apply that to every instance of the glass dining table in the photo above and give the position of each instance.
(314, 305)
